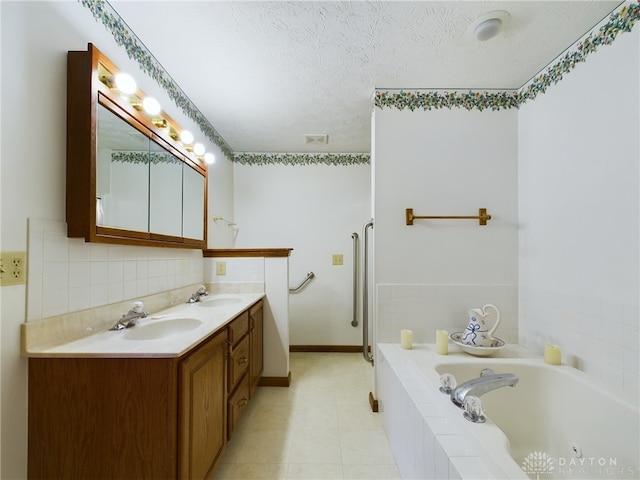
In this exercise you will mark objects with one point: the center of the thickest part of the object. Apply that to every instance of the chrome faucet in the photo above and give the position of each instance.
(201, 292)
(132, 317)
(487, 382)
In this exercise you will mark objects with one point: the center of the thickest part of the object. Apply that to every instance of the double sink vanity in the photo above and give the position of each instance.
(157, 400)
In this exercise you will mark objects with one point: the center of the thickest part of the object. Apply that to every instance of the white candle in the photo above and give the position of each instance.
(406, 339)
(442, 342)
(552, 354)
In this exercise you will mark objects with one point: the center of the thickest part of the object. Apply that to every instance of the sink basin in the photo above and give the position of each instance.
(162, 328)
(218, 301)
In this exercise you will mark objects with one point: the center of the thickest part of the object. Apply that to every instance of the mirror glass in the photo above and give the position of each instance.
(122, 174)
(193, 205)
(165, 215)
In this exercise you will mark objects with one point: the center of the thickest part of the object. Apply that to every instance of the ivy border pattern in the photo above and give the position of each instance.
(302, 158)
(620, 21)
(136, 50)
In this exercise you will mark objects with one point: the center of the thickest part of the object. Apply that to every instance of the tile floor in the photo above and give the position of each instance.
(321, 427)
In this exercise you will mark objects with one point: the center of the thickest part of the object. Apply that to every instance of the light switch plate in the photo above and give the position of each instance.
(337, 259)
(221, 268)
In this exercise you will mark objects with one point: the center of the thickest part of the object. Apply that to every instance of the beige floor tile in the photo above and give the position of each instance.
(357, 418)
(371, 472)
(320, 428)
(267, 471)
(315, 471)
(271, 417)
(263, 446)
(311, 418)
(315, 447)
(365, 447)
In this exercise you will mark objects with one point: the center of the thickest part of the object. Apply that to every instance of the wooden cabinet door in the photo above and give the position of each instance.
(203, 409)
(257, 339)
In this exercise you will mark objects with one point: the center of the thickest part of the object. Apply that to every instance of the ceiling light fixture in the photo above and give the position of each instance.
(489, 25)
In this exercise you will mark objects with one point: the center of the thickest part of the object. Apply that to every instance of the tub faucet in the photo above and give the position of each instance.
(487, 382)
(131, 318)
(201, 292)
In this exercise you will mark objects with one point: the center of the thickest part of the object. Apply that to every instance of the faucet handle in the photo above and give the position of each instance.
(447, 383)
(137, 306)
(473, 409)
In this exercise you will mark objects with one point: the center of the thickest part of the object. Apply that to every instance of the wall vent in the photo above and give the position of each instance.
(316, 139)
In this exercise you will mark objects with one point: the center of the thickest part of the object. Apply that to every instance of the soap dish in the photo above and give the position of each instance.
(477, 351)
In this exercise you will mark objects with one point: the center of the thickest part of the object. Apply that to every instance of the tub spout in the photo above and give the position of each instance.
(481, 385)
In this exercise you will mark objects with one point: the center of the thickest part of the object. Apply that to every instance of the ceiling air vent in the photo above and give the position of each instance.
(315, 139)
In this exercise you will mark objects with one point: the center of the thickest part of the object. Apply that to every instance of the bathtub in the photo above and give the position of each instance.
(554, 424)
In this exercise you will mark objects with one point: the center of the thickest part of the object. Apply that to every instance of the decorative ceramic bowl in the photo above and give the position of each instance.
(478, 351)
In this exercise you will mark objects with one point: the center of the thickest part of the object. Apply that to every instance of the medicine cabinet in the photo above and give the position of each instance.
(129, 178)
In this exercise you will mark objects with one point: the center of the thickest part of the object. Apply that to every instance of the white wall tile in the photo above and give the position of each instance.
(67, 274)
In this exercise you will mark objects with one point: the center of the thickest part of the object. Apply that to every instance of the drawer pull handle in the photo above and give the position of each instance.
(242, 402)
(243, 360)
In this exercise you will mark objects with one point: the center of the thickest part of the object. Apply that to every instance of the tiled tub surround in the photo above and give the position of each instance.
(86, 333)
(430, 438)
(67, 275)
(425, 308)
(598, 336)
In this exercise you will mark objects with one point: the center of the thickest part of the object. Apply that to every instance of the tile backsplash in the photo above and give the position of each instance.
(68, 274)
(425, 308)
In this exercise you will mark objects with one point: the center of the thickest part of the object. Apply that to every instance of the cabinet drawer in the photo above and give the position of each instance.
(238, 362)
(238, 327)
(236, 405)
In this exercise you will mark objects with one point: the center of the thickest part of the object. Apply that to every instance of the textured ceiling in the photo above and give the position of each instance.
(267, 73)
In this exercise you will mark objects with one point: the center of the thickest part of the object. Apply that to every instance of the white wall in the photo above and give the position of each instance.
(35, 39)
(314, 210)
(444, 162)
(578, 189)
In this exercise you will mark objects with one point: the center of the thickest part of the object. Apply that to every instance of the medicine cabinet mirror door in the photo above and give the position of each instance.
(165, 175)
(193, 214)
(122, 174)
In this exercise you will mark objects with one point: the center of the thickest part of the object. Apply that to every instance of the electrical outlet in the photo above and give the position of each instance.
(221, 268)
(337, 259)
(13, 268)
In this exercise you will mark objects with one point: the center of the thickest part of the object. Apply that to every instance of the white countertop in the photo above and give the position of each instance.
(116, 344)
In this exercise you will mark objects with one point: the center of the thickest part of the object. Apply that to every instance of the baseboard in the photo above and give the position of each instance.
(275, 381)
(326, 348)
(373, 402)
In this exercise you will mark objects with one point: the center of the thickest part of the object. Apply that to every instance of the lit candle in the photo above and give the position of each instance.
(406, 339)
(442, 342)
(552, 354)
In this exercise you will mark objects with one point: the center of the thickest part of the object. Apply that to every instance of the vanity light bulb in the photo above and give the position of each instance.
(151, 106)
(198, 149)
(209, 158)
(186, 137)
(125, 83)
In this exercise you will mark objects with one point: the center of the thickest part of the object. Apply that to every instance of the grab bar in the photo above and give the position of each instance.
(310, 275)
(354, 322)
(365, 296)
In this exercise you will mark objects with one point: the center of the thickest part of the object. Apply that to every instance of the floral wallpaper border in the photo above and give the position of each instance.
(137, 51)
(623, 20)
(145, 157)
(302, 158)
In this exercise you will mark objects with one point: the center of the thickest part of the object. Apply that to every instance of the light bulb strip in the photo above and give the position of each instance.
(151, 108)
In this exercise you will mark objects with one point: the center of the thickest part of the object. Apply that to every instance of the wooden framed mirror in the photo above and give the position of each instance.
(129, 178)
